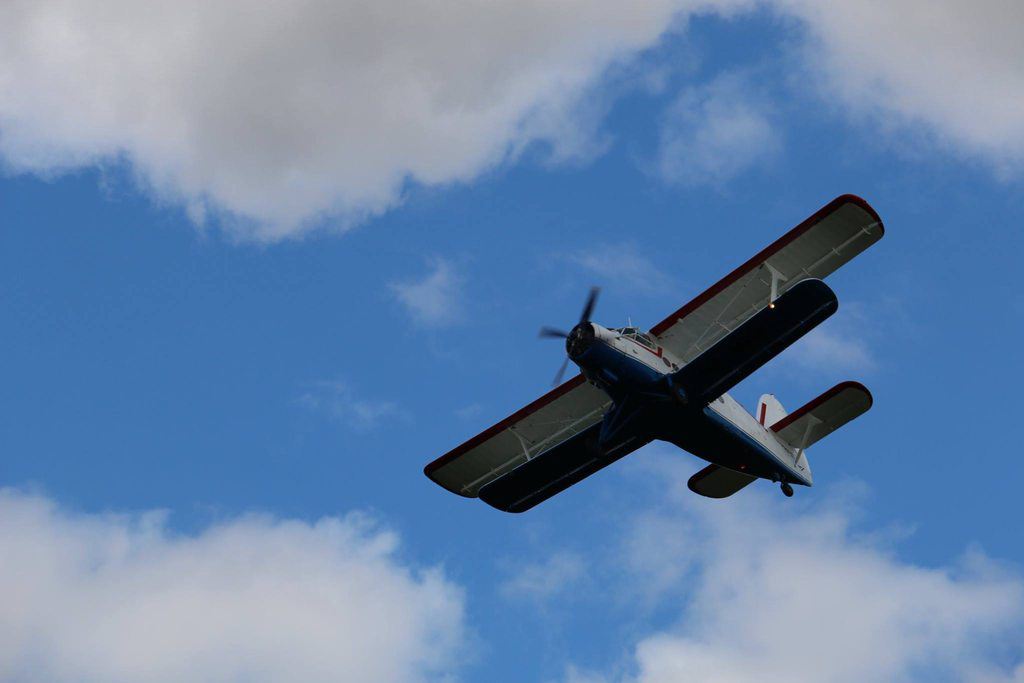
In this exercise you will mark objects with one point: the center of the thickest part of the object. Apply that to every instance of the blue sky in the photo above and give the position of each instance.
(261, 263)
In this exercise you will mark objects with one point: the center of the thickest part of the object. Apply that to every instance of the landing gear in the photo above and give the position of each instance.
(787, 490)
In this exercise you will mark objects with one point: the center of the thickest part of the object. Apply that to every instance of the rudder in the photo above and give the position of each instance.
(769, 410)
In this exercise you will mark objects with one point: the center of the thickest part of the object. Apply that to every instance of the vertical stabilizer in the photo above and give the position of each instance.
(769, 410)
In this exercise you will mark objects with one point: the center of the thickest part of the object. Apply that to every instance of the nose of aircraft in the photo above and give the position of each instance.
(580, 340)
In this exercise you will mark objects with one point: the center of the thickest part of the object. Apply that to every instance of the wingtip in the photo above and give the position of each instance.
(429, 471)
(849, 198)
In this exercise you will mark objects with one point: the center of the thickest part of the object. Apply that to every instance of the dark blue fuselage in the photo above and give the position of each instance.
(658, 410)
(620, 374)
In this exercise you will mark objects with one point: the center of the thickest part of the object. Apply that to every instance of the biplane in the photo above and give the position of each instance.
(670, 383)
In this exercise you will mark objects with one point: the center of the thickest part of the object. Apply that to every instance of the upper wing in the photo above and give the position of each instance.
(553, 418)
(835, 234)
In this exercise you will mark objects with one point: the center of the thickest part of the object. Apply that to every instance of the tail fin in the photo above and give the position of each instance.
(769, 410)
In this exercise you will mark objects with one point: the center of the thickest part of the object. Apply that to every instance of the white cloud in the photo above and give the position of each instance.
(122, 598)
(831, 350)
(658, 550)
(953, 66)
(280, 113)
(469, 411)
(777, 590)
(338, 400)
(436, 299)
(574, 675)
(278, 117)
(622, 265)
(716, 131)
(841, 345)
(543, 580)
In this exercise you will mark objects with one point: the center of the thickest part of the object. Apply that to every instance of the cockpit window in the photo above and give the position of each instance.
(637, 335)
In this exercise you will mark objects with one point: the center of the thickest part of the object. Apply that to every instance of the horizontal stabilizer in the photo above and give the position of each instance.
(553, 471)
(823, 415)
(764, 336)
(718, 482)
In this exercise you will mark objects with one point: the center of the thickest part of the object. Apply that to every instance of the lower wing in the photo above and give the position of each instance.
(554, 471)
(764, 336)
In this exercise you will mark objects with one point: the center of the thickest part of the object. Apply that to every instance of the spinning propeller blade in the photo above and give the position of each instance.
(589, 308)
(553, 333)
(561, 371)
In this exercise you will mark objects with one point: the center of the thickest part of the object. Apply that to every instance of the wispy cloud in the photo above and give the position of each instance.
(122, 598)
(468, 411)
(716, 131)
(437, 299)
(336, 399)
(543, 580)
(829, 349)
(623, 265)
(841, 344)
(657, 552)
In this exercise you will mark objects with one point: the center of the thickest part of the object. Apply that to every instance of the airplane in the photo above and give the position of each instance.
(670, 383)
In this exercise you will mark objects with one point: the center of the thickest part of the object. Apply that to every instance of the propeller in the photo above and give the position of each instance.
(555, 333)
(589, 307)
(561, 371)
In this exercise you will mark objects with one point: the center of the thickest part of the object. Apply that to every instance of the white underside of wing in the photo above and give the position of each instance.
(814, 249)
(545, 423)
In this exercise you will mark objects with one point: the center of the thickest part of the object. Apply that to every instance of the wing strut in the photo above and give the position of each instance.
(777, 277)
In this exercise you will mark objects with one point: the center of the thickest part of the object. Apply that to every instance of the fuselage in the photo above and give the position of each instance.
(630, 365)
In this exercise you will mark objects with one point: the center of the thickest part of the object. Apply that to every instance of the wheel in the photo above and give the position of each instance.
(787, 489)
